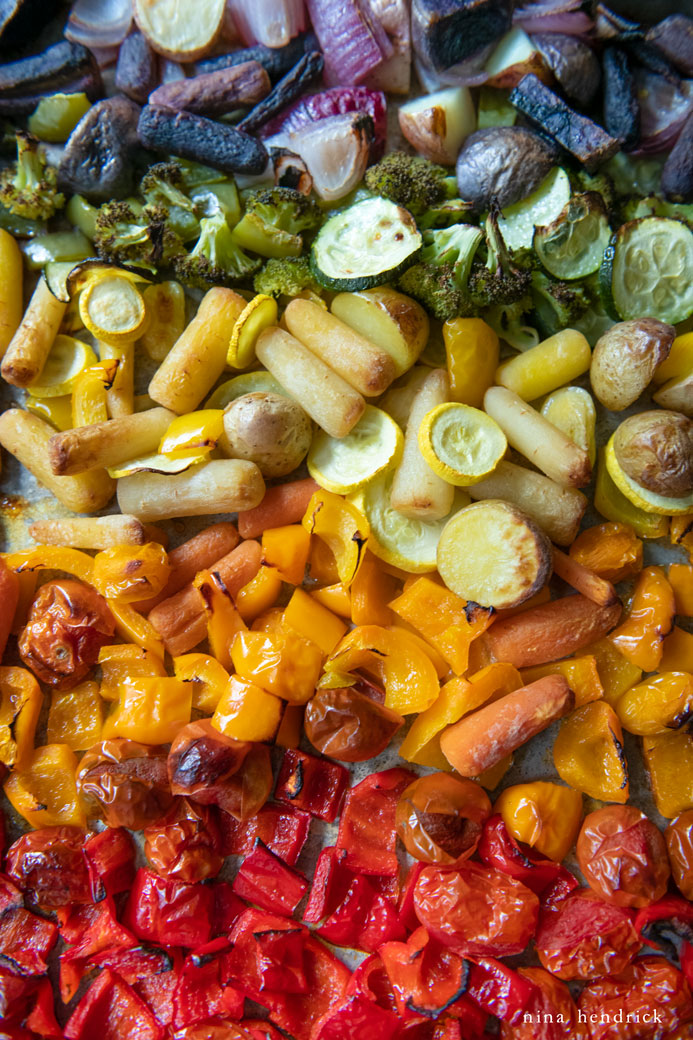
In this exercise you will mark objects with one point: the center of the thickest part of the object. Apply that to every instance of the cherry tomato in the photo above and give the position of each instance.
(679, 840)
(584, 938)
(551, 1013)
(125, 783)
(348, 725)
(210, 768)
(50, 867)
(648, 999)
(439, 818)
(185, 845)
(68, 624)
(476, 910)
(623, 856)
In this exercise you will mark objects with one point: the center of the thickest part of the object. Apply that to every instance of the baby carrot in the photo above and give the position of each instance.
(199, 552)
(283, 504)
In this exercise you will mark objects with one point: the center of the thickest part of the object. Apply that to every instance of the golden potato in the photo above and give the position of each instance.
(268, 429)
(625, 357)
(655, 449)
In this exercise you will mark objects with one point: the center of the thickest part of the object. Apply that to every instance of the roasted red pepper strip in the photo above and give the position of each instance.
(227, 908)
(110, 856)
(267, 955)
(363, 920)
(499, 990)
(41, 1019)
(49, 866)
(157, 992)
(686, 960)
(331, 881)
(407, 914)
(205, 990)
(10, 895)
(26, 940)
(168, 912)
(327, 980)
(111, 1010)
(674, 909)
(370, 980)
(426, 976)
(267, 881)
(90, 930)
(281, 829)
(497, 848)
(367, 825)
(315, 785)
(357, 1019)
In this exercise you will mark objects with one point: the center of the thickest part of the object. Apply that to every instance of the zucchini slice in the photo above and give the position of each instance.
(367, 244)
(542, 207)
(573, 245)
(648, 269)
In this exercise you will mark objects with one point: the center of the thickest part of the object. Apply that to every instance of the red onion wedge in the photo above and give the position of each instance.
(335, 150)
(338, 101)
(554, 16)
(99, 23)
(271, 22)
(353, 45)
(393, 74)
(664, 108)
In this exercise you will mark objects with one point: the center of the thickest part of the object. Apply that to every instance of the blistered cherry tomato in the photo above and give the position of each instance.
(348, 725)
(186, 844)
(68, 624)
(679, 841)
(125, 783)
(50, 867)
(585, 938)
(551, 1013)
(439, 818)
(623, 856)
(210, 768)
(647, 1000)
(476, 910)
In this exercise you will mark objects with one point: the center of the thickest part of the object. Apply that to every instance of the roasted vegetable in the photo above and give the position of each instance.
(411, 181)
(572, 62)
(273, 220)
(98, 161)
(28, 189)
(503, 278)
(557, 305)
(621, 110)
(62, 63)
(448, 33)
(137, 70)
(505, 162)
(162, 185)
(145, 239)
(655, 449)
(439, 281)
(287, 276)
(202, 140)
(305, 72)
(216, 258)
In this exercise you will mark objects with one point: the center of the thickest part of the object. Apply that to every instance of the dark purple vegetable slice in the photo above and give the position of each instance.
(98, 157)
(62, 63)
(674, 38)
(447, 32)
(275, 60)
(202, 140)
(302, 75)
(677, 175)
(573, 63)
(137, 71)
(583, 138)
(215, 93)
(621, 110)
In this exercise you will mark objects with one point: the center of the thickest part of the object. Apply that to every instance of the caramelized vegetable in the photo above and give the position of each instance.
(588, 753)
(623, 856)
(649, 619)
(542, 815)
(125, 783)
(345, 724)
(611, 550)
(439, 818)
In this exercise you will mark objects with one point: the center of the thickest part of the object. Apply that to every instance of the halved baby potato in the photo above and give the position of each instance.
(493, 554)
(625, 358)
(391, 320)
(650, 459)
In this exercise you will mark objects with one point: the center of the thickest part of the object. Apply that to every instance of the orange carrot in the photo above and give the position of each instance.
(583, 580)
(199, 552)
(480, 740)
(283, 504)
(549, 632)
(9, 598)
(181, 620)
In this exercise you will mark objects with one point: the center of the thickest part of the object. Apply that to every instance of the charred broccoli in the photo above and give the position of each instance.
(557, 305)
(286, 277)
(28, 188)
(216, 258)
(273, 221)
(504, 278)
(413, 182)
(511, 322)
(144, 239)
(162, 185)
(439, 279)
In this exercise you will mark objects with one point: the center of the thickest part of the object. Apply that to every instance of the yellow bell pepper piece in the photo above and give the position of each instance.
(343, 529)
(649, 619)
(491, 777)
(130, 573)
(371, 592)
(397, 663)
(581, 673)
(44, 791)
(613, 505)
(543, 815)
(588, 753)
(223, 619)
(313, 621)
(75, 717)
(136, 628)
(271, 621)
(55, 410)
(336, 597)
(120, 662)
(421, 744)
(282, 663)
(678, 651)
(323, 566)
(286, 550)
(53, 558)
(259, 594)
(680, 577)
(247, 712)
(669, 761)
(150, 711)
(28, 580)
(679, 361)
(20, 706)
(207, 677)
(291, 726)
(438, 661)
(89, 397)
(616, 674)
(193, 434)
(472, 351)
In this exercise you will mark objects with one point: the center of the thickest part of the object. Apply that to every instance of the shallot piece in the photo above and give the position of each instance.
(554, 16)
(99, 23)
(335, 150)
(272, 22)
(352, 43)
(338, 101)
(664, 108)
(393, 74)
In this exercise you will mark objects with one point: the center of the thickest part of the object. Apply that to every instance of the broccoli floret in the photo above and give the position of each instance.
(510, 322)
(162, 185)
(439, 280)
(286, 277)
(216, 258)
(557, 305)
(144, 239)
(603, 184)
(411, 181)
(28, 188)
(442, 215)
(505, 277)
(273, 221)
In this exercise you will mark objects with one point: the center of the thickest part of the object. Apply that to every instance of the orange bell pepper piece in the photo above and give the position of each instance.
(588, 753)
(120, 662)
(20, 706)
(650, 618)
(313, 621)
(286, 550)
(616, 674)
(44, 791)
(371, 591)
(131, 573)
(322, 565)
(28, 580)
(336, 597)
(9, 599)
(543, 815)
(678, 651)
(53, 558)
(136, 628)
(660, 702)
(612, 550)
(669, 762)
(343, 529)
(680, 577)
(491, 777)
(75, 717)
(223, 619)
(150, 711)
(581, 673)
(439, 663)
(282, 663)
(207, 677)
(291, 726)
(395, 661)
(259, 594)
(247, 712)
(681, 532)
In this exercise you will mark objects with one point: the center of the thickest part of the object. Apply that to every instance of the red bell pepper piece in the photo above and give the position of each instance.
(407, 914)
(364, 920)
(11, 896)
(315, 785)
(357, 1019)
(426, 977)
(258, 1030)
(331, 881)
(204, 990)
(498, 849)
(678, 911)
(111, 1010)
(267, 881)
(157, 992)
(135, 963)
(267, 955)
(471, 1018)
(168, 912)
(370, 980)
(227, 908)
(26, 940)
(281, 829)
(326, 978)
(41, 1019)
(499, 990)
(17, 994)
(90, 930)
(367, 825)
(686, 961)
(110, 856)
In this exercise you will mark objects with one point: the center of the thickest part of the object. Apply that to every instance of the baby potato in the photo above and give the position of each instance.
(625, 357)
(268, 429)
(655, 449)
